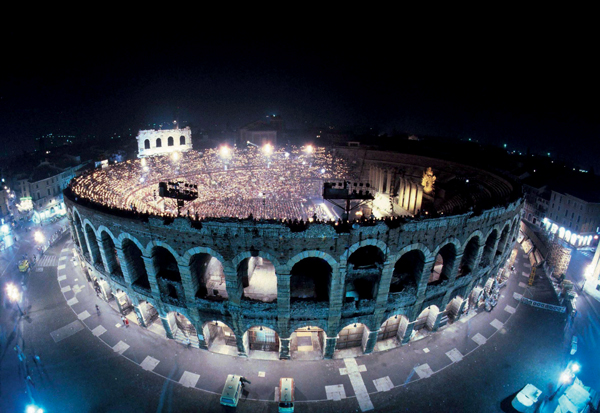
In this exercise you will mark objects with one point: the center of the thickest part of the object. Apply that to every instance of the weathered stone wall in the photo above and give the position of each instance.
(231, 241)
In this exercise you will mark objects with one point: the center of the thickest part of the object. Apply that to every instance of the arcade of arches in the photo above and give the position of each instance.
(189, 297)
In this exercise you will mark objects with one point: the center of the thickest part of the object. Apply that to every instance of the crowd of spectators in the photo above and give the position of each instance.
(235, 183)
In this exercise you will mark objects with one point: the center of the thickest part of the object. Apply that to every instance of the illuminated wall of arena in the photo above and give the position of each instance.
(157, 142)
(355, 287)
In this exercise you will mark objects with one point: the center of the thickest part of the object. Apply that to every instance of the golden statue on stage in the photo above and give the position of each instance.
(428, 180)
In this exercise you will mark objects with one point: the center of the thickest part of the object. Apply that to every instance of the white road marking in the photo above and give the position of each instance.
(98, 331)
(497, 324)
(479, 339)
(149, 363)
(358, 385)
(189, 379)
(83, 316)
(383, 384)
(120, 347)
(335, 392)
(423, 371)
(454, 355)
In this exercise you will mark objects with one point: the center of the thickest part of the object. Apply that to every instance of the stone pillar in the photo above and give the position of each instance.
(454, 270)
(92, 251)
(336, 300)
(283, 313)
(108, 266)
(124, 267)
(446, 299)
(371, 341)
(329, 347)
(438, 319)
(139, 315)
(422, 282)
(187, 283)
(168, 322)
(461, 308)
(238, 327)
(233, 285)
(384, 284)
(151, 271)
(408, 333)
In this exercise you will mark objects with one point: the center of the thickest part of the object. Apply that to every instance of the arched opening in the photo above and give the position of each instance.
(257, 276)
(310, 280)
(364, 273)
(182, 140)
(425, 322)
(167, 274)
(207, 274)
(488, 249)
(407, 272)
(467, 265)
(147, 144)
(476, 298)
(350, 339)
(134, 264)
(93, 246)
(123, 303)
(503, 241)
(444, 262)
(307, 343)
(80, 237)
(110, 253)
(261, 342)
(183, 330)
(219, 338)
(158, 143)
(170, 141)
(454, 308)
(391, 333)
(149, 318)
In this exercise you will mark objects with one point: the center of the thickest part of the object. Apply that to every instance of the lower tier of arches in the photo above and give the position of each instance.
(237, 332)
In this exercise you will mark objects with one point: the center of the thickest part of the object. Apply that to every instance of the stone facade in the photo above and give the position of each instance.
(153, 260)
(158, 142)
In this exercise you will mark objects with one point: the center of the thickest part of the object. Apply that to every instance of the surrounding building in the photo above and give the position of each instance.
(41, 192)
(574, 216)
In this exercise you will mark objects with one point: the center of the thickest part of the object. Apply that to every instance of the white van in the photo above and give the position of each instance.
(232, 391)
(286, 395)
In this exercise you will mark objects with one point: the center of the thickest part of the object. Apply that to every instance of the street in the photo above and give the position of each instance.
(88, 362)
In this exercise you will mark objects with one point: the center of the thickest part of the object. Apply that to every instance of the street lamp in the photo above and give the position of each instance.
(39, 237)
(14, 295)
(32, 408)
(267, 149)
(567, 376)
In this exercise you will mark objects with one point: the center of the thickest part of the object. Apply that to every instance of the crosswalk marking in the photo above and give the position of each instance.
(48, 261)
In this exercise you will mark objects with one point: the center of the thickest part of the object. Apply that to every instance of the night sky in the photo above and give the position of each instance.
(533, 88)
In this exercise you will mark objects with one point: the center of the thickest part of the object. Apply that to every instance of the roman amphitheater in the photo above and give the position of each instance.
(255, 263)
